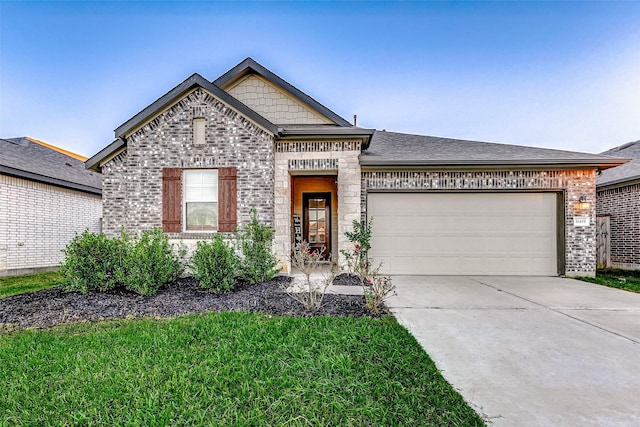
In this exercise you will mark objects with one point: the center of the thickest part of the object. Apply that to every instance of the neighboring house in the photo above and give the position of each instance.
(200, 157)
(46, 196)
(618, 209)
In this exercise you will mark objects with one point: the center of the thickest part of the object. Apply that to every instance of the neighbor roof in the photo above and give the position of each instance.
(249, 65)
(627, 172)
(25, 158)
(405, 150)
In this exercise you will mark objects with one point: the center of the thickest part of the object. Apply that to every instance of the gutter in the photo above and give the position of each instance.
(622, 182)
(49, 180)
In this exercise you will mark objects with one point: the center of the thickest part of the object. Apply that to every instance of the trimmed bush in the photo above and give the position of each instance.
(215, 264)
(91, 262)
(149, 262)
(258, 260)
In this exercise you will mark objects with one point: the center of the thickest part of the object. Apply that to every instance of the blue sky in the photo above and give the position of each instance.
(550, 74)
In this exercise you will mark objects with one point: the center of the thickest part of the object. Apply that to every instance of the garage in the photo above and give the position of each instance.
(465, 233)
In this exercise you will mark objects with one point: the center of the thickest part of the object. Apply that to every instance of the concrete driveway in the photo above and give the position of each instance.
(530, 351)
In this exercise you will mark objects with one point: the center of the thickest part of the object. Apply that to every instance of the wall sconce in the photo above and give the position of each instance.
(582, 205)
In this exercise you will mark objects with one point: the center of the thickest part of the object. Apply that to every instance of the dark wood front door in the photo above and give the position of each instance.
(317, 221)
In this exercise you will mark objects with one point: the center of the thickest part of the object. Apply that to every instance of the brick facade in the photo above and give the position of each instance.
(622, 205)
(132, 181)
(38, 220)
(580, 242)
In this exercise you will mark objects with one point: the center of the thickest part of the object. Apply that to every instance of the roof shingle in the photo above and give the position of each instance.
(400, 149)
(627, 172)
(27, 159)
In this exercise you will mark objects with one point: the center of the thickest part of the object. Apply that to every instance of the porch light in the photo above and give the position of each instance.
(582, 205)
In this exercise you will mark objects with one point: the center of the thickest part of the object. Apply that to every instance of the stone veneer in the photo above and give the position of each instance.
(580, 242)
(132, 180)
(38, 220)
(622, 205)
(320, 158)
(273, 104)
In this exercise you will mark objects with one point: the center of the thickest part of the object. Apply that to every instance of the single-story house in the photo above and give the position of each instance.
(618, 210)
(202, 155)
(46, 196)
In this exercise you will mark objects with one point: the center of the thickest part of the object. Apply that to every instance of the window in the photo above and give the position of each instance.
(200, 200)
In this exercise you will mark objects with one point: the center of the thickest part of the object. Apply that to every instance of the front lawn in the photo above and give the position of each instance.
(225, 369)
(14, 285)
(621, 279)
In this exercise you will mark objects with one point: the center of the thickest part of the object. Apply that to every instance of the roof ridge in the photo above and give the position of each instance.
(58, 149)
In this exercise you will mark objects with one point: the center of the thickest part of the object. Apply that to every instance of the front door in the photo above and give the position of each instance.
(317, 218)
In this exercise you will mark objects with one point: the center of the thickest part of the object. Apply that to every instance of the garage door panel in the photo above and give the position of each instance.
(465, 233)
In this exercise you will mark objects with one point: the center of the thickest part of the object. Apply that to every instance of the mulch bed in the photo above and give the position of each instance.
(346, 279)
(56, 306)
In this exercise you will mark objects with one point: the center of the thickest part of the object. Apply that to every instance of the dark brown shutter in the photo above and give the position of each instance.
(171, 200)
(227, 199)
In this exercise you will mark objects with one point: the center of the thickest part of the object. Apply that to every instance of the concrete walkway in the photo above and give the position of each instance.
(530, 351)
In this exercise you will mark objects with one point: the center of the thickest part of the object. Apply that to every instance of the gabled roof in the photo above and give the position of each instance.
(249, 66)
(625, 173)
(26, 158)
(406, 150)
(166, 100)
(192, 82)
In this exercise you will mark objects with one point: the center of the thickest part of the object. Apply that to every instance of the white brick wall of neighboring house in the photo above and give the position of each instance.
(38, 220)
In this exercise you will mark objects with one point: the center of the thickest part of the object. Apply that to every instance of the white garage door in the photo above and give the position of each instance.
(464, 233)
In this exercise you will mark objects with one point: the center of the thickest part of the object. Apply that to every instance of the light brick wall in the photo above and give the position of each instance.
(273, 104)
(622, 205)
(38, 220)
(132, 181)
(580, 242)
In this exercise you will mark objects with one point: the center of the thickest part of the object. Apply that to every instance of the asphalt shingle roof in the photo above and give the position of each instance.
(27, 159)
(627, 172)
(391, 148)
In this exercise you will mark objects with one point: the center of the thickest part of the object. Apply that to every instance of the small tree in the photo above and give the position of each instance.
(258, 261)
(215, 264)
(357, 260)
(311, 294)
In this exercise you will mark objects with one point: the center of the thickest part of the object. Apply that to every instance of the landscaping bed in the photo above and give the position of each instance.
(56, 306)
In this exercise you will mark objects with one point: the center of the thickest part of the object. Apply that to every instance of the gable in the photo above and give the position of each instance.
(274, 104)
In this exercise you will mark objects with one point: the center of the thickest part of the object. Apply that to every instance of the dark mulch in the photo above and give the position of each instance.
(56, 306)
(346, 279)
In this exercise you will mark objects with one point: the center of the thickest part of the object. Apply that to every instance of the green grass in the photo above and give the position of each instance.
(621, 279)
(14, 285)
(225, 369)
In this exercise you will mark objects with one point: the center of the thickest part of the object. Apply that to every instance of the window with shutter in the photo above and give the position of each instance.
(199, 200)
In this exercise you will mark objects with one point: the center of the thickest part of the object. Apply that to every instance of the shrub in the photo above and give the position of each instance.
(356, 260)
(258, 260)
(149, 262)
(376, 289)
(311, 293)
(91, 262)
(215, 264)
